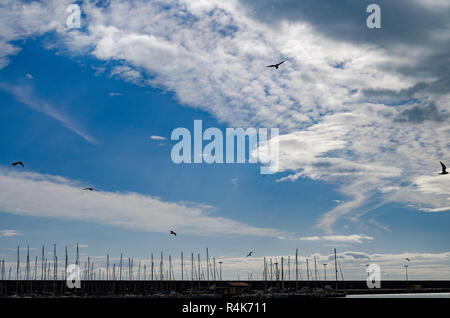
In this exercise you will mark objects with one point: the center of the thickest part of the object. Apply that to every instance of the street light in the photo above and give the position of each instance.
(220, 266)
(406, 273)
(325, 270)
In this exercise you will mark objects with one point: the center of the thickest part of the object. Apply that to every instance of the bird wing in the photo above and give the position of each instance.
(443, 166)
(281, 63)
(273, 65)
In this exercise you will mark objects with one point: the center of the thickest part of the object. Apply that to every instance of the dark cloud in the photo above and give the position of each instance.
(410, 94)
(402, 21)
(420, 113)
(389, 94)
(357, 255)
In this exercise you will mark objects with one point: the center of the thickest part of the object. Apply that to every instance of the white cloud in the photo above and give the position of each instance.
(369, 157)
(24, 249)
(19, 20)
(127, 73)
(34, 194)
(350, 238)
(154, 137)
(9, 233)
(427, 193)
(353, 238)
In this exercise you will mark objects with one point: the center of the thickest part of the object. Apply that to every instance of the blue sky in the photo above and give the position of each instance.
(358, 171)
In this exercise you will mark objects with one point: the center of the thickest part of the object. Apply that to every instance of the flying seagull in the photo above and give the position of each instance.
(249, 254)
(90, 189)
(172, 232)
(18, 163)
(276, 65)
(444, 168)
(408, 259)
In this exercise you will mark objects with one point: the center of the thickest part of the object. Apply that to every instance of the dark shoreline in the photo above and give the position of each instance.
(196, 289)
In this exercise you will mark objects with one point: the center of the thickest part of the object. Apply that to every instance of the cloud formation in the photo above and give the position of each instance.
(154, 137)
(41, 195)
(9, 233)
(420, 113)
(365, 111)
(354, 238)
(34, 194)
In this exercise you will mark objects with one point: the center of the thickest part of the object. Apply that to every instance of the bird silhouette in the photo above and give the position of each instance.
(249, 254)
(90, 189)
(408, 259)
(18, 163)
(444, 168)
(276, 65)
(172, 232)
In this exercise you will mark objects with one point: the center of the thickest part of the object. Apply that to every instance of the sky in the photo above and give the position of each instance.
(363, 117)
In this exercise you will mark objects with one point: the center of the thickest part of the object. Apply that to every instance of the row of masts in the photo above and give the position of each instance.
(124, 270)
(273, 270)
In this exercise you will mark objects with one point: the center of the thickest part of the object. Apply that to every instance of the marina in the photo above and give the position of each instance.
(194, 277)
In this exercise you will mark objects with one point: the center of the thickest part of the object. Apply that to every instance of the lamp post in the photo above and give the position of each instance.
(220, 269)
(406, 273)
(325, 270)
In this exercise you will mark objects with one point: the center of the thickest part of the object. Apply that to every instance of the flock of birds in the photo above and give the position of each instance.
(274, 66)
